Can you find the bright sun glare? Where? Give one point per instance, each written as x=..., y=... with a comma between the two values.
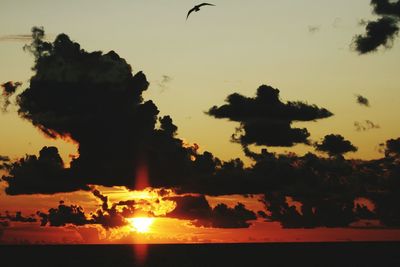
x=141, y=224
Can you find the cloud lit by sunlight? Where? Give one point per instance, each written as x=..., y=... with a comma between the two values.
x=148, y=201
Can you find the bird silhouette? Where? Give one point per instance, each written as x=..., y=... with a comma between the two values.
x=197, y=8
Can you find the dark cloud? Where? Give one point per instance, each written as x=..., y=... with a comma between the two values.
x=386, y=7
x=365, y=126
x=167, y=126
x=303, y=191
x=382, y=31
x=44, y=174
x=257, y=156
x=75, y=215
x=103, y=198
x=17, y=217
x=379, y=33
x=4, y=158
x=386, y=186
x=9, y=89
x=322, y=192
x=311, y=194
x=392, y=148
x=299, y=192
x=94, y=100
x=237, y=217
x=190, y=208
x=266, y=120
x=314, y=212
x=109, y=219
x=326, y=191
x=4, y=162
x=197, y=209
x=64, y=215
x=335, y=145
x=363, y=101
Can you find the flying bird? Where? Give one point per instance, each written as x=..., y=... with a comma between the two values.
x=197, y=8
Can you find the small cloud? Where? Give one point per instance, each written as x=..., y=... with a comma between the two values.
x=9, y=89
x=363, y=101
x=314, y=29
x=166, y=79
x=17, y=217
x=335, y=145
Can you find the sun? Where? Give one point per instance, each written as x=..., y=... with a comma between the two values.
x=141, y=224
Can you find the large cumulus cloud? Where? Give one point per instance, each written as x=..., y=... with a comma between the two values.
x=93, y=99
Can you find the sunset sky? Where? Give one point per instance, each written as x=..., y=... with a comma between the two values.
x=304, y=48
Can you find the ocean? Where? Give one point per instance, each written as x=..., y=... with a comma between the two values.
x=175, y=255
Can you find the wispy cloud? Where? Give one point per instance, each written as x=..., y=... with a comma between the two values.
x=16, y=37
x=365, y=126
x=165, y=80
x=314, y=29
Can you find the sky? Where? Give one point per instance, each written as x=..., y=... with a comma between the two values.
x=304, y=48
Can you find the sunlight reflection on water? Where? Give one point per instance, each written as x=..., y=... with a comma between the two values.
x=140, y=252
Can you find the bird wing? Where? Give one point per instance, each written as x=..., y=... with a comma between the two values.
x=205, y=4
x=190, y=11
